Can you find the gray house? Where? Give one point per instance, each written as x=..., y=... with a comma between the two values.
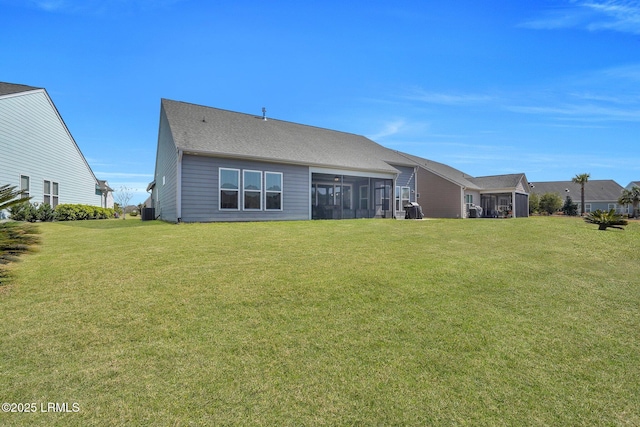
x=218, y=165
x=445, y=192
x=598, y=194
x=39, y=154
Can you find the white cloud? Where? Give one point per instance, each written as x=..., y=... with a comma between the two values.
x=614, y=15
x=389, y=129
x=447, y=98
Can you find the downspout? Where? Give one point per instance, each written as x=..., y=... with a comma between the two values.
x=179, y=187
x=463, y=205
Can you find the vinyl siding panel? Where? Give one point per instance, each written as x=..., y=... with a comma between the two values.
x=200, y=193
x=439, y=197
x=166, y=163
x=35, y=142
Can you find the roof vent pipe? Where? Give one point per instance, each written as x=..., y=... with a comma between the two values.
x=264, y=114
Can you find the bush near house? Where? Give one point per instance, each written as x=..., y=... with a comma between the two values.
x=68, y=212
x=32, y=212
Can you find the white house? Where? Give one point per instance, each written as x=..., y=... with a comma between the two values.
x=38, y=153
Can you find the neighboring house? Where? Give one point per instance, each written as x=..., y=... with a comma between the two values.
x=598, y=194
x=218, y=165
x=445, y=192
x=107, y=194
x=38, y=153
x=632, y=184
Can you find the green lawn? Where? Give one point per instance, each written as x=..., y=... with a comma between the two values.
x=361, y=322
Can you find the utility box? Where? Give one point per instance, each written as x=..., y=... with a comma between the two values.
x=148, y=214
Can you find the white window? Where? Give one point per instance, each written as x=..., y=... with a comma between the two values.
x=405, y=196
x=55, y=194
x=252, y=190
x=273, y=191
x=24, y=185
x=587, y=207
x=50, y=193
x=47, y=192
x=229, y=186
x=398, y=206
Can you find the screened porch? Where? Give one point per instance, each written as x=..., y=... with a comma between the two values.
x=345, y=196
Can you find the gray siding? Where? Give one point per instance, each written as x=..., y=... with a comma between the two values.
x=164, y=193
x=200, y=193
x=439, y=197
x=35, y=142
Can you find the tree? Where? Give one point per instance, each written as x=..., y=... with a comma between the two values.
x=9, y=196
x=550, y=203
x=606, y=219
x=581, y=179
x=534, y=203
x=123, y=196
x=569, y=208
x=631, y=197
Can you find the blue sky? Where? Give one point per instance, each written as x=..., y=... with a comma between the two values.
x=548, y=88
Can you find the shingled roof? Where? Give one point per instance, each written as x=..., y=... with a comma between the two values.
x=451, y=174
x=11, y=88
x=213, y=131
x=498, y=181
x=594, y=190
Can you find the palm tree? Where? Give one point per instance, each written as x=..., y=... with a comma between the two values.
x=9, y=196
x=631, y=197
x=581, y=179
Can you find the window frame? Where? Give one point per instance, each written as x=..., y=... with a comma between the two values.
x=267, y=191
x=221, y=189
x=46, y=193
x=27, y=193
x=245, y=191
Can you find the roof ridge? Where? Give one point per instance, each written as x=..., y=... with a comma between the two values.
x=271, y=119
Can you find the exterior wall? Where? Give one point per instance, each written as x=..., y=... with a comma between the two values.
x=35, y=142
x=439, y=198
x=200, y=192
x=164, y=192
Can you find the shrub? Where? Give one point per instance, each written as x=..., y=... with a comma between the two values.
x=550, y=203
x=570, y=208
x=68, y=212
x=45, y=212
x=23, y=212
x=15, y=239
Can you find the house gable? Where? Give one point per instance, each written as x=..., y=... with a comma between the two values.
x=37, y=145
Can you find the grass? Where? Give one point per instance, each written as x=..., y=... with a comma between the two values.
x=362, y=322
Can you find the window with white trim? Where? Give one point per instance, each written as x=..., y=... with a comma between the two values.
x=24, y=185
x=55, y=188
x=229, y=185
x=273, y=191
x=405, y=196
x=252, y=190
x=46, y=191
